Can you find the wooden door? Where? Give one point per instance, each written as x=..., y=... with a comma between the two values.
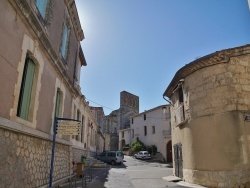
x=169, y=152
x=178, y=160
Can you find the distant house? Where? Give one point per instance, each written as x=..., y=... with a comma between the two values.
x=120, y=119
x=153, y=127
x=99, y=115
x=210, y=119
x=124, y=138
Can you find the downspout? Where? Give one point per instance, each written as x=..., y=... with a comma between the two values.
x=168, y=101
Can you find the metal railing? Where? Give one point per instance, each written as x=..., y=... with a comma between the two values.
x=72, y=181
x=87, y=176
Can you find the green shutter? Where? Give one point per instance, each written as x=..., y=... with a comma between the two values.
x=26, y=89
x=64, y=41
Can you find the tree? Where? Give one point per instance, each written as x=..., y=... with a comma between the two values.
x=137, y=146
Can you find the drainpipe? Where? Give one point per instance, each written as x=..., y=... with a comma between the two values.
x=168, y=101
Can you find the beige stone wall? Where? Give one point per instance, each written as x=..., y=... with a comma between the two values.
x=27, y=161
x=219, y=88
x=107, y=142
x=216, y=138
x=223, y=179
x=77, y=154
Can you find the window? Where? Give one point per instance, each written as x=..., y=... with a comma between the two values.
x=78, y=72
x=111, y=154
x=78, y=118
x=65, y=41
x=132, y=120
x=23, y=108
x=132, y=133
x=153, y=129
x=83, y=128
x=180, y=91
x=145, y=130
x=41, y=6
x=144, y=117
x=122, y=134
x=74, y=115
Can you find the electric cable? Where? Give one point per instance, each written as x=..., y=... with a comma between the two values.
x=116, y=109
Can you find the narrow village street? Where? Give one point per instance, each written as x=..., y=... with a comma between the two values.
x=134, y=173
x=94, y=92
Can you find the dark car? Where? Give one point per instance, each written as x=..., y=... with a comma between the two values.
x=112, y=157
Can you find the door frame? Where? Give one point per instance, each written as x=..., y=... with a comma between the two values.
x=178, y=160
x=169, y=152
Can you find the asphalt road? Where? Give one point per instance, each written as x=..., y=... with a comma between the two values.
x=134, y=173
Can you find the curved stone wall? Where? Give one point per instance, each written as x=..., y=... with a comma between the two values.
x=215, y=138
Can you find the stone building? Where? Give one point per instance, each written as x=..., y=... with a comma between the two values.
x=210, y=107
x=125, y=136
x=120, y=119
x=99, y=115
x=40, y=62
x=129, y=106
x=152, y=127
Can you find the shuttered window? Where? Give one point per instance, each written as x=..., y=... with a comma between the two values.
x=78, y=118
x=26, y=89
x=145, y=130
x=41, y=6
x=64, y=41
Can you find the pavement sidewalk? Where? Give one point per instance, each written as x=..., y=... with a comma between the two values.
x=179, y=181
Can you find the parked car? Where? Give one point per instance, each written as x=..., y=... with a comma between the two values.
x=142, y=155
x=112, y=157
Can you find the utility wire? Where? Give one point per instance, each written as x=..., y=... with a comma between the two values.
x=116, y=109
x=100, y=104
x=8, y=61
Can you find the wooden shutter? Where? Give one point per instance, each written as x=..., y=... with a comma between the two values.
x=26, y=89
x=64, y=41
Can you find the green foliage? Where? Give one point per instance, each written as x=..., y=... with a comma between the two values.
x=138, y=146
x=152, y=149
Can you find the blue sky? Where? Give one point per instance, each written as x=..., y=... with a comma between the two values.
x=139, y=45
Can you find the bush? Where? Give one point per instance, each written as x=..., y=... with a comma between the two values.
x=152, y=149
x=138, y=146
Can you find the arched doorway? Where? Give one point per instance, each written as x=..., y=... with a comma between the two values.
x=169, y=152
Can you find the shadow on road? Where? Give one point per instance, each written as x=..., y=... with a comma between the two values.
x=118, y=166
